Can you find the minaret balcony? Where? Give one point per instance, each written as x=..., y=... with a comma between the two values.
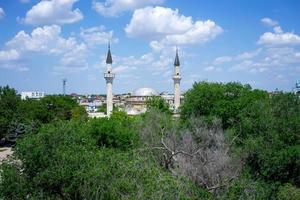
x=176, y=77
x=109, y=75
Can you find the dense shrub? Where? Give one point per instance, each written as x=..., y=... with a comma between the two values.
x=116, y=132
x=220, y=100
x=159, y=104
x=62, y=161
x=288, y=192
x=270, y=132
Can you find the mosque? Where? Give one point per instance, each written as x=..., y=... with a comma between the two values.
x=136, y=102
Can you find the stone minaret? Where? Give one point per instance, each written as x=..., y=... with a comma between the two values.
x=109, y=77
x=176, y=78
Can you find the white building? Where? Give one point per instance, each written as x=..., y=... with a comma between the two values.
x=136, y=103
x=32, y=95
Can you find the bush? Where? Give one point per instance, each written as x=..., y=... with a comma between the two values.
x=220, y=100
x=62, y=161
x=115, y=132
x=159, y=104
x=288, y=192
x=269, y=131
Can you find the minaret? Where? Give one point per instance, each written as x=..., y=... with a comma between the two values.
x=176, y=78
x=109, y=77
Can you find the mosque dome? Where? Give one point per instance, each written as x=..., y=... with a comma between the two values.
x=145, y=92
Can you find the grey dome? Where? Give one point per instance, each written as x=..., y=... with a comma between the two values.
x=145, y=92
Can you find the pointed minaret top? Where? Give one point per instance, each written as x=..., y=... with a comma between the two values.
x=108, y=58
x=176, y=62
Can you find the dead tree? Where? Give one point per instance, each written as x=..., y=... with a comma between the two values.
x=199, y=152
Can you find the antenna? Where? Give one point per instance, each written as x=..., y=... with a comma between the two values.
x=64, y=86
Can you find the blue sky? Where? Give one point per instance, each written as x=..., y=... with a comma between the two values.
x=41, y=42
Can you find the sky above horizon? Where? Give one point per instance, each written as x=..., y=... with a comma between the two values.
x=41, y=42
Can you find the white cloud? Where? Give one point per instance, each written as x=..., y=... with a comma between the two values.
x=53, y=12
x=45, y=39
x=73, y=61
x=213, y=68
x=269, y=22
x=165, y=26
x=250, y=66
x=248, y=55
x=222, y=60
x=279, y=38
x=2, y=13
x=97, y=36
x=121, y=69
x=116, y=7
x=10, y=59
x=9, y=55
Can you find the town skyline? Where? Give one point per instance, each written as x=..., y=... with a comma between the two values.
x=42, y=42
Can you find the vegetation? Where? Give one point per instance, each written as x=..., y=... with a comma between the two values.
x=17, y=116
x=159, y=104
x=232, y=142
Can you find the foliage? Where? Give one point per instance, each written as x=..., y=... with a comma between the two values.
x=13, y=184
x=288, y=192
x=116, y=131
x=247, y=188
x=58, y=107
x=79, y=113
x=159, y=104
x=218, y=99
x=199, y=153
x=270, y=132
x=63, y=162
x=9, y=101
x=16, y=113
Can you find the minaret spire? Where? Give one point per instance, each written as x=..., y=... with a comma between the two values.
x=176, y=78
x=109, y=77
x=109, y=58
x=176, y=62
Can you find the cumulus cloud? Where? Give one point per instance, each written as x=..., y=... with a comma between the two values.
x=165, y=26
x=10, y=59
x=74, y=60
x=53, y=12
x=48, y=40
x=248, y=55
x=116, y=7
x=279, y=37
x=269, y=22
x=9, y=55
x=97, y=36
x=2, y=13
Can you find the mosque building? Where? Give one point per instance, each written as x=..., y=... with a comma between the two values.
x=135, y=103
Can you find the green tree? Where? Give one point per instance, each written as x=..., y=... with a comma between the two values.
x=117, y=131
x=158, y=103
x=269, y=131
x=58, y=107
x=79, y=113
x=62, y=161
x=218, y=99
x=9, y=101
x=288, y=192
